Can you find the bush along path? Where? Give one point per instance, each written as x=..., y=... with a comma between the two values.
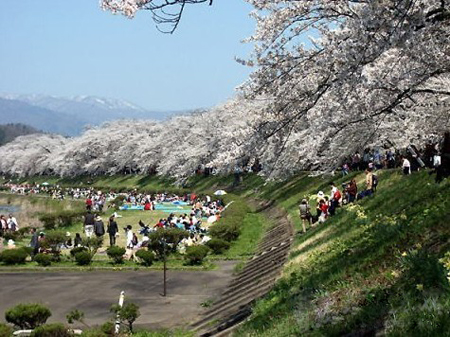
x=254, y=280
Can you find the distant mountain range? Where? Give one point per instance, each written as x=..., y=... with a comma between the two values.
x=69, y=116
x=10, y=131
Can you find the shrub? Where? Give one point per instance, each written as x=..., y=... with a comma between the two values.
x=146, y=257
x=96, y=332
x=52, y=330
x=225, y=231
x=92, y=244
x=11, y=236
x=67, y=218
x=76, y=250
x=14, y=256
x=128, y=313
x=108, y=328
x=28, y=316
x=116, y=254
x=59, y=219
x=218, y=246
x=5, y=331
x=196, y=254
x=23, y=230
x=171, y=236
x=43, y=260
x=83, y=258
x=28, y=250
x=118, y=201
x=53, y=240
x=48, y=220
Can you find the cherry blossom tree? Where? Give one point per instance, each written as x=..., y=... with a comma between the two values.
x=339, y=72
x=330, y=77
x=166, y=13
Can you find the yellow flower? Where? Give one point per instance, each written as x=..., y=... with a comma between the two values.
x=419, y=287
x=404, y=254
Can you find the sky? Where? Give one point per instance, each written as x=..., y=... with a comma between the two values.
x=72, y=47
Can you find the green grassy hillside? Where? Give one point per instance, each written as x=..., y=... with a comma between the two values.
x=376, y=267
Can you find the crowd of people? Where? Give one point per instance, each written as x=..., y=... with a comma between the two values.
x=203, y=212
x=376, y=159
x=327, y=204
x=372, y=160
x=197, y=214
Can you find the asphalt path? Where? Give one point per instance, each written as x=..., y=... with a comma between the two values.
x=93, y=292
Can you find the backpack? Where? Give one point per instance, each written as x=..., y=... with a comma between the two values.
x=134, y=240
x=337, y=195
x=374, y=180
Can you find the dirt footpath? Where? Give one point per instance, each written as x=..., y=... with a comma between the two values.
x=95, y=292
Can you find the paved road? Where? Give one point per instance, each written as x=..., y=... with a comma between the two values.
x=95, y=292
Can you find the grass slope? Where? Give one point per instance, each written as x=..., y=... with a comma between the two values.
x=376, y=267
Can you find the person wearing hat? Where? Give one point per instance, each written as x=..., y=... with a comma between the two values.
x=305, y=213
x=99, y=227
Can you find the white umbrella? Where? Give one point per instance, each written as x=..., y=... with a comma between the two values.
x=220, y=192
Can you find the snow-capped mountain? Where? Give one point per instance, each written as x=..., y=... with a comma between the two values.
x=80, y=110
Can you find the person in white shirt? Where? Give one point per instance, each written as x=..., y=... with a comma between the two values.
x=12, y=223
x=406, y=165
x=129, y=237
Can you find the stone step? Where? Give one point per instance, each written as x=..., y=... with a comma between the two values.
x=267, y=267
x=230, y=308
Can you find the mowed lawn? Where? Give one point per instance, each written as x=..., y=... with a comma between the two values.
x=128, y=217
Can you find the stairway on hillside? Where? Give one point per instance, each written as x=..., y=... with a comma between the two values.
x=254, y=281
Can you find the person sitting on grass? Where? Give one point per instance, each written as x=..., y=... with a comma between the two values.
x=77, y=241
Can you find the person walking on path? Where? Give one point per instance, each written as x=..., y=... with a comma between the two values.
x=89, y=220
x=305, y=213
x=34, y=242
x=99, y=227
x=112, y=230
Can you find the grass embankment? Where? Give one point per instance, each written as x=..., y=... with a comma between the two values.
x=252, y=225
x=376, y=267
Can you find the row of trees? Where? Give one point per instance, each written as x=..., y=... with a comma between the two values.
x=371, y=71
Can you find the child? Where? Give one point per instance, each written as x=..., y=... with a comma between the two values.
x=323, y=204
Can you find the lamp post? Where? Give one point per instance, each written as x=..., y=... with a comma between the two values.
x=121, y=298
x=165, y=268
